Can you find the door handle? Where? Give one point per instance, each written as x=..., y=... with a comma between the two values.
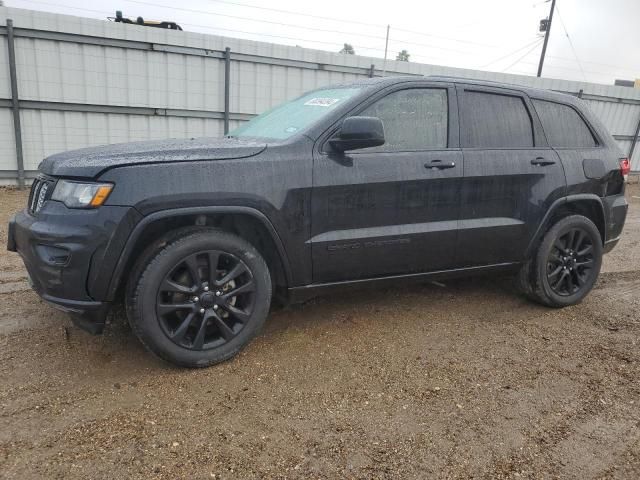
x=542, y=162
x=439, y=164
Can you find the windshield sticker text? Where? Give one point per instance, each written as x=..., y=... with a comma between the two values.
x=322, y=102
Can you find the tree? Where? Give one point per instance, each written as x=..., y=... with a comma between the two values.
x=403, y=56
x=348, y=49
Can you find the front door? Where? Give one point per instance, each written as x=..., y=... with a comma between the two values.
x=391, y=209
x=511, y=176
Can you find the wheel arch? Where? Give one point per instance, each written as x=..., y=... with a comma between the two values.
x=587, y=205
x=246, y=222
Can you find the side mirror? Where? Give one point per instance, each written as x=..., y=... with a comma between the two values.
x=358, y=132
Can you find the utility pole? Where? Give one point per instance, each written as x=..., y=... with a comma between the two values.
x=546, y=36
x=386, y=47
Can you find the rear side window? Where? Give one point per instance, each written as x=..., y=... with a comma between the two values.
x=413, y=119
x=563, y=126
x=495, y=121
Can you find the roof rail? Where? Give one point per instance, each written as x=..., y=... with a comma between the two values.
x=452, y=77
x=519, y=86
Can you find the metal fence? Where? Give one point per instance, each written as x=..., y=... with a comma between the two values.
x=69, y=82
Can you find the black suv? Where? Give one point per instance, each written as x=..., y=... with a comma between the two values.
x=380, y=180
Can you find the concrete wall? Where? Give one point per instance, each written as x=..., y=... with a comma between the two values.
x=84, y=82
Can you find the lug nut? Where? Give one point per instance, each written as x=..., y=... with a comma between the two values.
x=202, y=310
x=215, y=307
x=206, y=289
x=195, y=299
x=218, y=293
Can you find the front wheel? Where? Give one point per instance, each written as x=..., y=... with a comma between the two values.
x=566, y=264
x=200, y=299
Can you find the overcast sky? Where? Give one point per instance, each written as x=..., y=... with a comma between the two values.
x=592, y=40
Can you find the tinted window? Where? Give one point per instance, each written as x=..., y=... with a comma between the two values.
x=495, y=121
x=414, y=119
x=563, y=126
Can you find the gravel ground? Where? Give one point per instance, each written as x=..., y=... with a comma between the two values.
x=456, y=381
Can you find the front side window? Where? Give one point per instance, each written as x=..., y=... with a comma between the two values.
x=413, y=119
x=563, y=126
x=495, y=121
x=296, y=115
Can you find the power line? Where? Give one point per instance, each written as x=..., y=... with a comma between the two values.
x=333, y=19
x=362, y=47
x=190, y=10
x=297, y=39
x=523, y=56
x=429, y=45
x=378, y=37
x=237, y=17
x=571, y=44
x=350, y=22
x=208, y=27
x=562, y=67
x=468, y=42
x=593, y=63
x=342, y=32
x=518, y=50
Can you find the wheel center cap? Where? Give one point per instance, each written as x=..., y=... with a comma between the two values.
x=207, y=300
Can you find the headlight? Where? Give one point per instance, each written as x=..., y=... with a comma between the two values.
x=81, y=195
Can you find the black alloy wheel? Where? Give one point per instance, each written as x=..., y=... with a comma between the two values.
x=206, y=300
x=570, y=264
x=198, y=295
x=565, y=265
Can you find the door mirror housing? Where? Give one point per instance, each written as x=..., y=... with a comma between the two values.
x=358, y=132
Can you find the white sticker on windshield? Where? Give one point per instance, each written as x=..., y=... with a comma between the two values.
x=322, y=102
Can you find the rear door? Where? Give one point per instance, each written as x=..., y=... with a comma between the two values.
x=511, y=175
x=590, y=157
x=391, y=209
x=578, y=147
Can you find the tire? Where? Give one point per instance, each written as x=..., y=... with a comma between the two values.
x=566, y=264
x=200, y=298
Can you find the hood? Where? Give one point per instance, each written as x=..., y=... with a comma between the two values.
x=89, y=162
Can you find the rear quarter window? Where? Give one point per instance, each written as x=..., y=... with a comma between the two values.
x=495, y=121
x=563, y=126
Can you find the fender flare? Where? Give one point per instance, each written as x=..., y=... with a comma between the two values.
x=557, y=204
x=177, y=212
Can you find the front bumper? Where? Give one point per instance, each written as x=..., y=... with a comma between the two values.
x=58, y=246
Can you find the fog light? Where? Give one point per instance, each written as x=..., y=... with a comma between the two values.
x=57, y=256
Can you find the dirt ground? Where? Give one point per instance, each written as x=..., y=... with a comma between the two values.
x=466, y=380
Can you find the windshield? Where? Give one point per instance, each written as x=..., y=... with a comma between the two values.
x=291, y=117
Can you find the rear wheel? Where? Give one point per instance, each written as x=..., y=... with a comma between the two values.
x=566, y=264
x=199, y=299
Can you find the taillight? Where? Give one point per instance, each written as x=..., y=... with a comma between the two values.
x=625, y=166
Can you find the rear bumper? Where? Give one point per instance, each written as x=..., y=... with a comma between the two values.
x=615, y=208
x=57, y=247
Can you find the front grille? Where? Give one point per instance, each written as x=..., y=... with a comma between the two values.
x=41, y=191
